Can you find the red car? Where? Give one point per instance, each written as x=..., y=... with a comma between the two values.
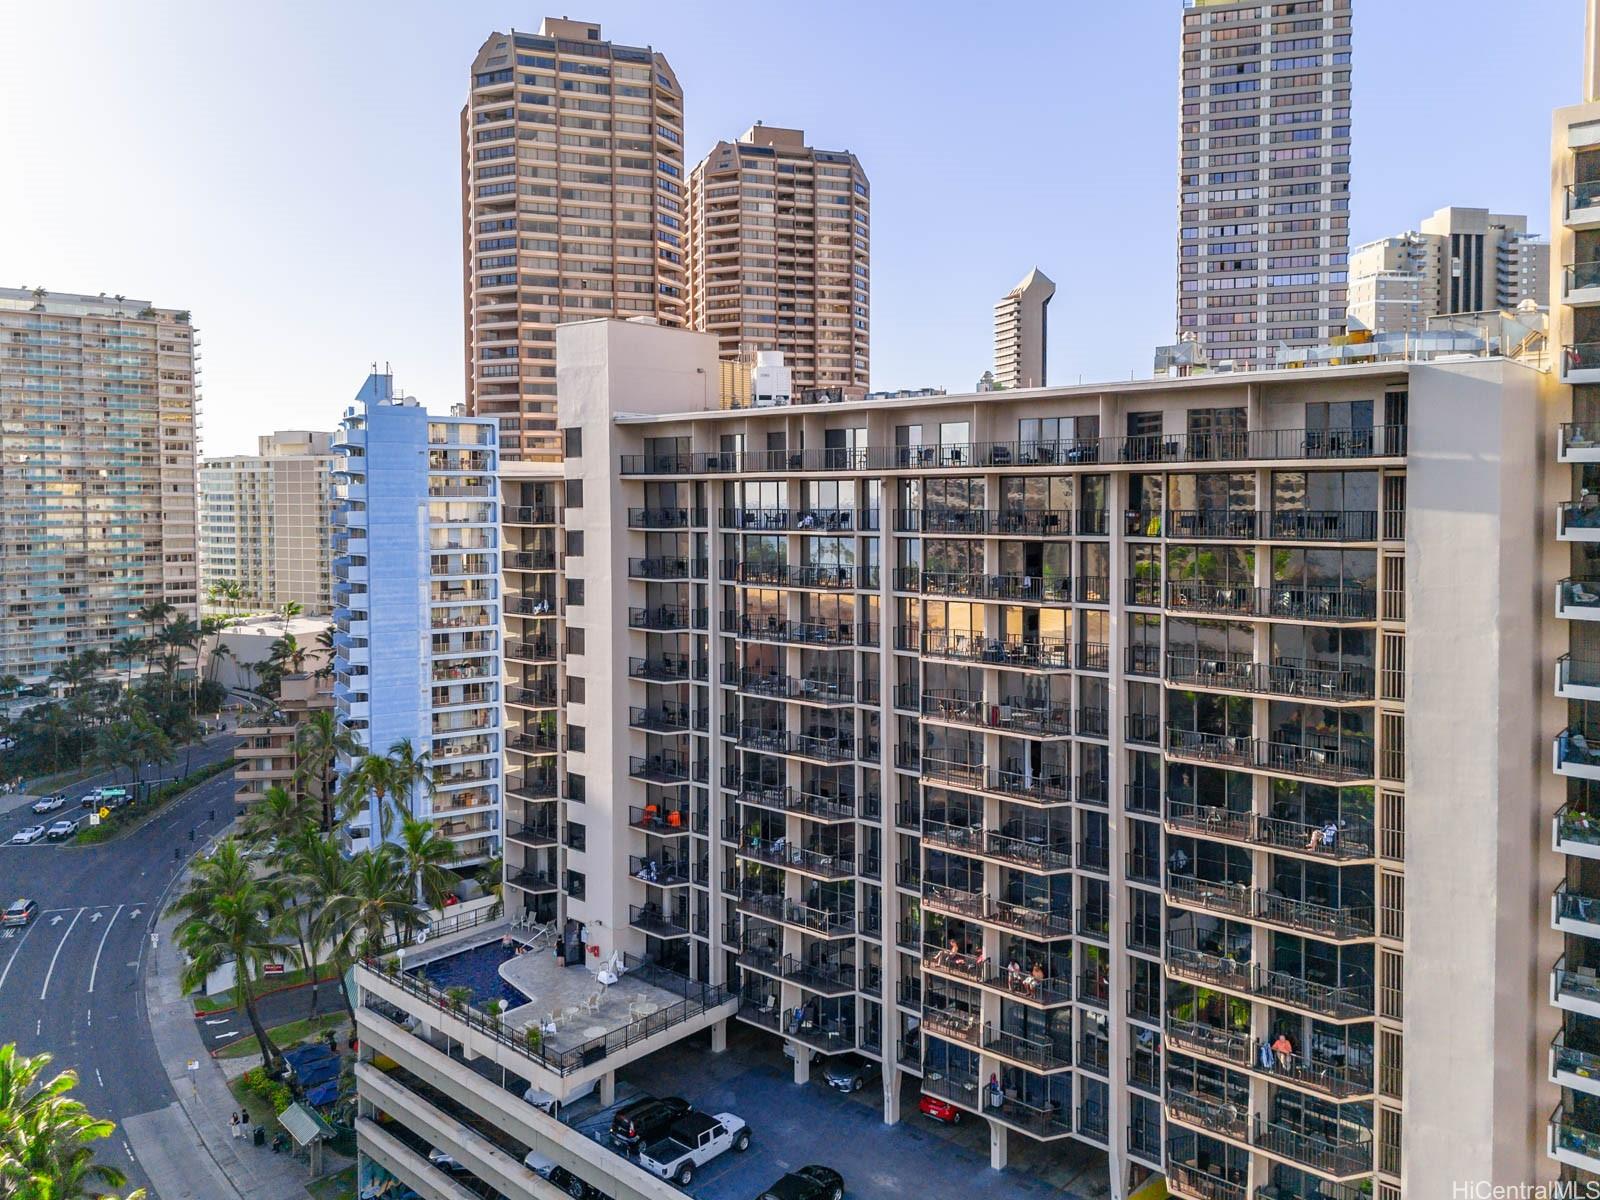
x=939, y=1110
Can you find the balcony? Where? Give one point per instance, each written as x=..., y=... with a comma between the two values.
x=1020, y=589
x=651, y=919
x=1341, y=841
x=668, y=668
x=666, y=518
x=1574, y=1139
x=952, y=1024
x=804, y=633
x=1583, y=206
x=818, y=806
x=825, y=688
x=1279, y=987
x=536, y=836
x=825, y=748
x=1578, y=599
x=1577, y=678
x=1575, y=831
x=1296, y=678
x=666, y=618
x=1026, y=523
x=1037, y=852
x=669, y=719
x=1189, y=1182
x=1319, y=604
x=1580, y=284
x=663, y=769
x=812, y=577
x=779, y=853
x=1049, y=787
x=1015, y=653
x=799, y=520
x=1341, y=1160
x=1208, y=1116
x=666, y=569
x=533, y=881
x=540, y=650
x=1572, y=911
x=967, y=709
x=537, y=786
x=1574, y=757
x=820, y=921
x=1329, y=762
x=1035, y=918
x=1277, y=525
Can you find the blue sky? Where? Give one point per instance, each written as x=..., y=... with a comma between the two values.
x=289, y=171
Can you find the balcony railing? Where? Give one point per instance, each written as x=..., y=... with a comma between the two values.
x=666, y=568
x=666, y=518
x=1280, y=600
x=801, y=575
x=665, y=618
x=1331, y=760
x=965, y=708
x=806, y=633
x=1051, y=522
x=1047, y=787
x=818, y=688
x=1293, y=525
x=1243, y=446
x=1336, y=840
x=1039, y=1053
x=1046, y=654
x=668, y=668
x=1038, y=851
x=1340, y=1159
x=800, y=520
x=1027, y=589
x=1215, y=1117
x=1281, y=677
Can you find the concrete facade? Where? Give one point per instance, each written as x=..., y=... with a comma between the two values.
x=780, y=255
x=97, y=473
x=264, y=521
x=417, y=653
x=1263, y=176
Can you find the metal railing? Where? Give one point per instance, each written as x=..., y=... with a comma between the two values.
x=1279, y=600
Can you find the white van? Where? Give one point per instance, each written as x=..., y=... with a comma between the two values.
x=546, y=1102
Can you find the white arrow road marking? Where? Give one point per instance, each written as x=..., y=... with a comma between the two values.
x=221, y=1021
x=94, y=917
x=51, y=970
x=56, y=920
x=14, y=954
x=95, y=970
x=134, y=915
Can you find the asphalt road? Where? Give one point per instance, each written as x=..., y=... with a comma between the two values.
x=70, y=982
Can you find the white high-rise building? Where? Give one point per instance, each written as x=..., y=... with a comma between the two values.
x=1021, y=328
x=1263, y=176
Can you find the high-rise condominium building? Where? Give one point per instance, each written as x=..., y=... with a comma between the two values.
x=97, y=473
x=1263, y=176
x=573, y=206
x=780, y=250
x=1021, y=328
x=416, y=597
x=1567, y=1105
x=1461, y=260
x=1066, y=741
x=264, y=521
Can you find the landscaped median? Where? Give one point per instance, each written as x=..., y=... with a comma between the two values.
x=132, y=814
x=204, y=1006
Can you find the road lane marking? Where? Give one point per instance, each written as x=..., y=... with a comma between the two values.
x=14, y=954
x=51, y=970
x=97, y=1078
x=95, y=970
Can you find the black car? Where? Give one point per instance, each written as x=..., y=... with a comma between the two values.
x=562, y=1178
x=646, y=1119
x=808, y=1183
x=849, y=1072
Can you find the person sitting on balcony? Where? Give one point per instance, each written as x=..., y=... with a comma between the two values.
x=1283, y=1050
x=1330, y=834
x=674, y=819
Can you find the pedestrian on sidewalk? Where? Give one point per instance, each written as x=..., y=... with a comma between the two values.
x=233, y=1127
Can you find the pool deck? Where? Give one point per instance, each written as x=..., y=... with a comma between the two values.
x=553, y=990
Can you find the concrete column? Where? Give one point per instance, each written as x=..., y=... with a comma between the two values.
x=608, y=1089
x=802, y=1062
x=719, y=1037
x=997, y=1145
x=891, y=1096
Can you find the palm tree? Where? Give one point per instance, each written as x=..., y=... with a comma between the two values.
x=325, y=644
x=129, y=650
x=375, y=911
x=10, y=685
x=492, y=876
x=212, y=628
x=315, y=866
x=46, y=1136
x=228, y=915
x=279, y=817
x=154, y=614
x=183, y=634
x=290, y=610
x=319, y=743
x=288, y=653
x=372, y=775
x=412, y=770
x=130, y=743
x=428, y=855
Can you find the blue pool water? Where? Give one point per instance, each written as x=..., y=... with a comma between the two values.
x=478, y=969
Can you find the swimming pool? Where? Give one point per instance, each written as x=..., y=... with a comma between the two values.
x=477, y=969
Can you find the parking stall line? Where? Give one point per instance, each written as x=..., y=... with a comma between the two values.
x=51, y=970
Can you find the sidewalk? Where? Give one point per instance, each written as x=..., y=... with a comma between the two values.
x=226, y=1168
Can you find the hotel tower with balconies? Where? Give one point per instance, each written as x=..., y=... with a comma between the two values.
x=1055, y=752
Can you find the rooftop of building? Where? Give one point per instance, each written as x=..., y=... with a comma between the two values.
x=82, y=304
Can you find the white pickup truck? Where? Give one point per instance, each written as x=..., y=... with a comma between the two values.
x=695, y=1140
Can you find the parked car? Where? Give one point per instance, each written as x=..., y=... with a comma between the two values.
x=646, y=1119
x=62, y=829
x=546, y=1102
x=20, y=912
x=26, y=837
x=849, y=1072
x=939, y=1110
x=445, y=1162
x=694, y=1141
x=49, y=803
x=808, y=1183
x=562, y=1178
